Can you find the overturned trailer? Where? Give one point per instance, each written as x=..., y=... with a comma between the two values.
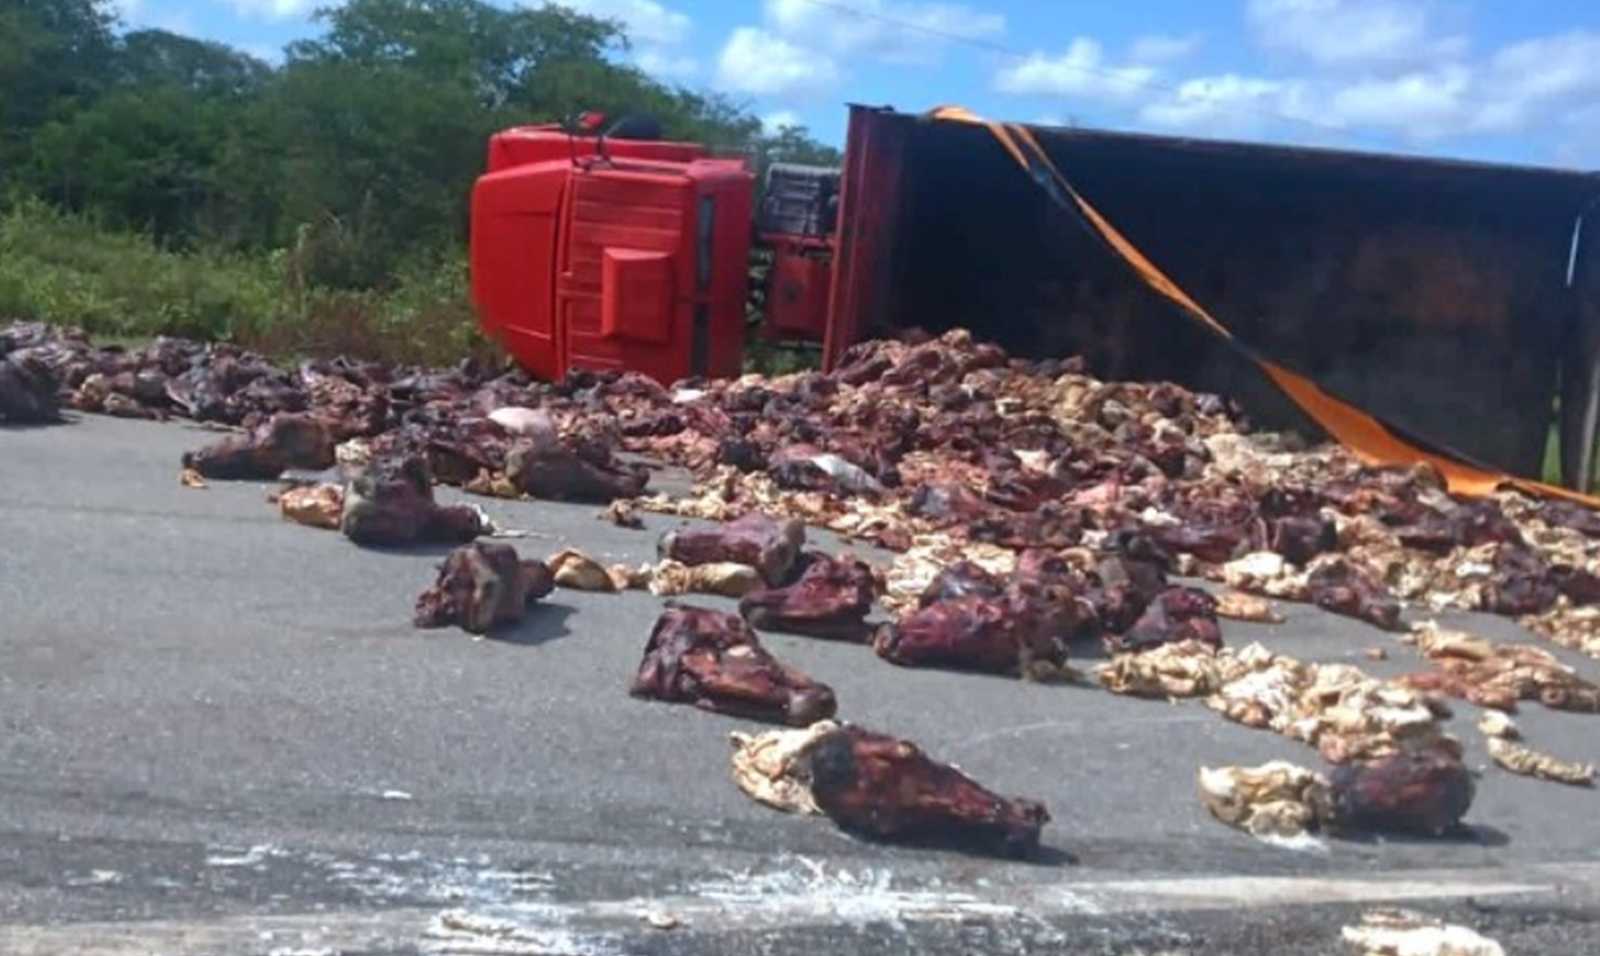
x=1415, y=305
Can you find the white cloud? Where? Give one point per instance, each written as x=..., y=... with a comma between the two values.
x=805, y=46
x=657, y=33
x=1160, y=48
x=1360, y=34
x=665, y=65
x=647, y=22
x=1225, y=104
x=888, y=30
x=757, y=62
x=1428, y=104
x=1082, y=71
x=1535, y=77
x=1343, y=72
x=276, y=10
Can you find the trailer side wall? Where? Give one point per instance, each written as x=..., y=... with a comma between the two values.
x=1431, y=294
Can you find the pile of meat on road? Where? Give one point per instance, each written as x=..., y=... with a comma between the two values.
x=1044, y=525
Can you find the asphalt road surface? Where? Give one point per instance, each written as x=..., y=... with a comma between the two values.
x=220, y=734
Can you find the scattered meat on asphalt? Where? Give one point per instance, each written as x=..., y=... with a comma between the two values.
x=1031, y=509
x=482, y=587
x=880, y=787
x=714, y=660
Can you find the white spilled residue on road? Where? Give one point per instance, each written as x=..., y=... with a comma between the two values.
x=463, y=933
x=470, y=907
x=254, y=858
x=807, y=889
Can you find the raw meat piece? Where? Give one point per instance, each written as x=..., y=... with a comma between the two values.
x=770, y=545
x=573, y=569
x=546, y=466
x=1239, y=606
x=1274, y=799
x=1343, y=588
x=553, y=473
x=482, y=587
x=1520, y=584
x=1002, y=635
x=28, y=389
x=1300, y=539
x=959, y=580
x=1504, y=740
x=1390, y=932
x=879, y=787
x=715, y=661
x=286, y=441
x=1177, y=615
x=1211, y=543
x=1424, y=792
x=671, y=578
x=831, y=600
x=766, y=766
x=391, y=504
x=315, y=506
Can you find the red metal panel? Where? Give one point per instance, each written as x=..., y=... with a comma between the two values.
x=636, y=295
x=868, y=191
x=611, y=209
x=522, y=145
x=722, y=291
x=515, y=232
x=656, y=268
x=797, y=294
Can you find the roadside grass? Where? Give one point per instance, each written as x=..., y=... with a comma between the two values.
x=121, y=287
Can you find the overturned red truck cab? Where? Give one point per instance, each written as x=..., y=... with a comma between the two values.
x=1456, y=301
x=612, y=253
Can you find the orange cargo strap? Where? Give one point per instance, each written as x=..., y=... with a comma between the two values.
x=1367, y=437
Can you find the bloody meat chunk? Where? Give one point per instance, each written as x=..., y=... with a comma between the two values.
x=715, y=661
x=1299, y=539
x=770, y=545
x=1062, y=593
x=391, y=505
x=1521, y=584
x=1177, y=614
x=1565, y=514
x=880, y=787
x=1124, y=586
x=544, y=467
x=1343, y=588
x=287, y=440
x=961, y=579
x=1421, y=792
x=1214, y=543
x=1003, y=635
x=831, y=599
x=483, y=586
x=28, y=390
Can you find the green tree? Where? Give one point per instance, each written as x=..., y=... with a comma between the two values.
x=160, y=58
x=359, y=152
x=55, y=57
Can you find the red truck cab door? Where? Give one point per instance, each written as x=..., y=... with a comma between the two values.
x=655, y=269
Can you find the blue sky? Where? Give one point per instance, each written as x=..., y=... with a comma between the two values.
x=1502, y=80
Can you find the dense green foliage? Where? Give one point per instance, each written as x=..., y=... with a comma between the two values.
x=157, y=183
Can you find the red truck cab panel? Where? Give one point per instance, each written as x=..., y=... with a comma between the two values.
x=514, y=238
x=636, y=260
x=656, y=269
